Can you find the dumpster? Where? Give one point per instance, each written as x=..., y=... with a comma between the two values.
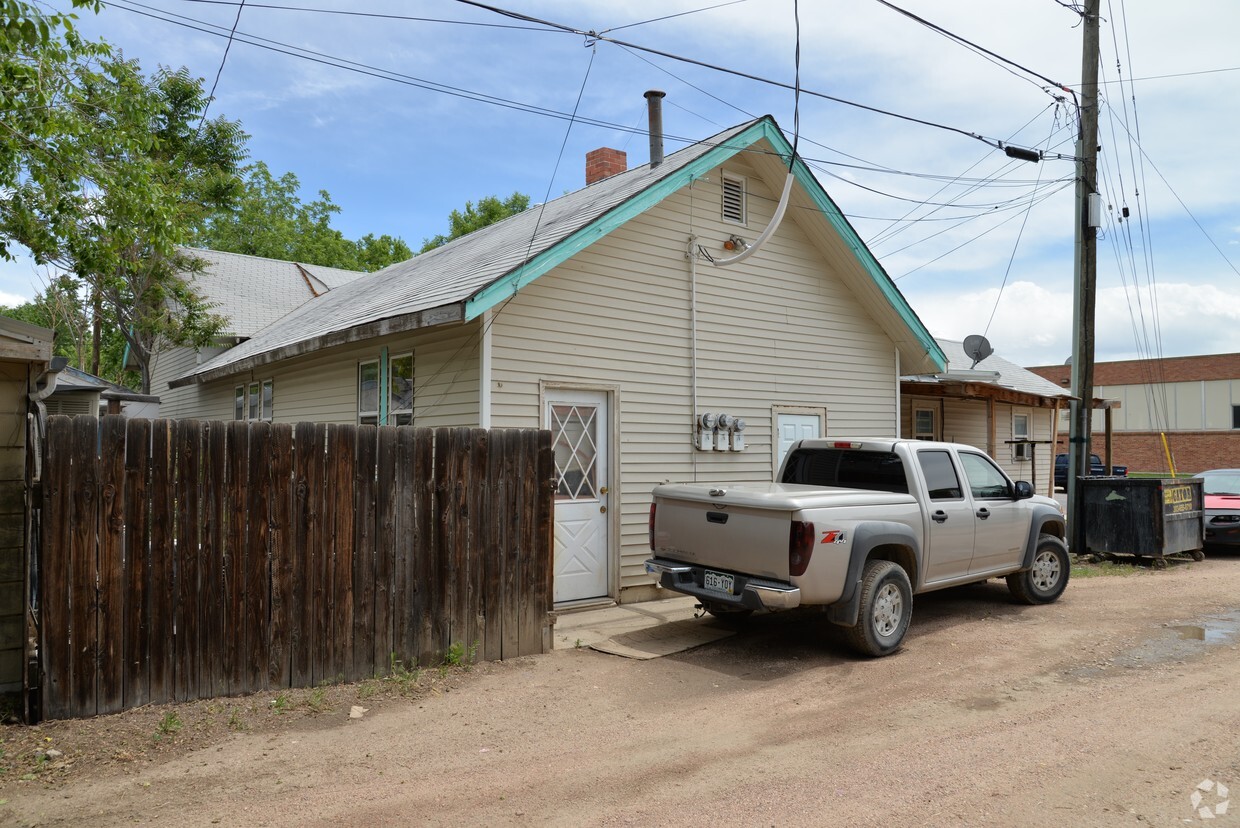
x=1151, y=517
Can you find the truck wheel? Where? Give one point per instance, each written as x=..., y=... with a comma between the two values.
x=886, y=608
x=1045, y=581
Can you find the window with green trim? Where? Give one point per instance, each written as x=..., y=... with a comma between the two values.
x=385, y=390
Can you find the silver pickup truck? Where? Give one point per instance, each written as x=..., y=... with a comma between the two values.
x=857, y=527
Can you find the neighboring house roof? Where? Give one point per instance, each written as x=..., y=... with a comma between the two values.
x=252, y=292
x=75, y=381
x=22, y=341
x=993, y=377
x=470, y=275
x=1205, y=368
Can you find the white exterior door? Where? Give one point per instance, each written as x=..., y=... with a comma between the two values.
x=791, y=428
x=579, y=426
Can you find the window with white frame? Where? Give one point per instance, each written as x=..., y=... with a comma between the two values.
x=1020, y=431
x=924, y=427
x=734, y=207
x=385, y=390
x=368, y=392
x=254, y=401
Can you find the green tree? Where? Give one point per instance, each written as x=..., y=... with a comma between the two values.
x=270, y=220
x=63, y=307
x=488, y=211
x=128, y=168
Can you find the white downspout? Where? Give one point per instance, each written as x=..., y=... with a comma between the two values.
x=484, y=374
x=899, y=413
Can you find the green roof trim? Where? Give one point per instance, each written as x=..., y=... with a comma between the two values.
x=512, y=282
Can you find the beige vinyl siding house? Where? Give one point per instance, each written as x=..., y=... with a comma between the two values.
x=616, y=333
x=988, y=406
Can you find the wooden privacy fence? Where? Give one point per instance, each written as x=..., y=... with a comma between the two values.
x=183, y=559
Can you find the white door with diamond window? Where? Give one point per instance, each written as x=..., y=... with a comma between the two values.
x=579, y=427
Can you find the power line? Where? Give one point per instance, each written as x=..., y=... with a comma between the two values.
x=592, y=35
x=957, y=38
x=379, y=73
x=227, y=46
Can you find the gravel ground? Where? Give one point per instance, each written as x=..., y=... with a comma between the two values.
x=1111, y=707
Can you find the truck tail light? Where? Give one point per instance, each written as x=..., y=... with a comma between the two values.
x=651, y=527
x=800, y=546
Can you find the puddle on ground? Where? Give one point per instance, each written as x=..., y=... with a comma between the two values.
x=1173, y=643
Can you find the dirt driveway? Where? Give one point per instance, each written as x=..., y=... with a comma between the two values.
x=1108, y=708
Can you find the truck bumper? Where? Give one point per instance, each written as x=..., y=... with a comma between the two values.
x=747, y=593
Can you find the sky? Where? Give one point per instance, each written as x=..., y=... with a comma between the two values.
x=378, y=103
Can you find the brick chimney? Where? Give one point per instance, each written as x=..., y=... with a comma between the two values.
x=604, y=163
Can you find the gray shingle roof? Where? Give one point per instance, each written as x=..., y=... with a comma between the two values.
x=1009, y=374
x=448, y=275
x=252, y=292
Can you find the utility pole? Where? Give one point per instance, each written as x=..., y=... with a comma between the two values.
x=1086, y=282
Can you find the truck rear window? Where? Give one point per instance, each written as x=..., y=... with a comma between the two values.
x=881, y=471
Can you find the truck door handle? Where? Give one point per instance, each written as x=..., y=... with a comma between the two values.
x=939, y=516
x=983, y=513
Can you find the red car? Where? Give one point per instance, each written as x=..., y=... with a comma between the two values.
x=1221, y=488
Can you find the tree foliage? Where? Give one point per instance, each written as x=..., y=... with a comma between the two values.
x=104, y=171
x=488, y=211
x=270, y=220
x=63, y=307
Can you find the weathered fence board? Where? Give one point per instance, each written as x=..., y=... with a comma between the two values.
x=186, y=559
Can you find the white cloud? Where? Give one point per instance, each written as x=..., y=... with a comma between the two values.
x=1033, y=324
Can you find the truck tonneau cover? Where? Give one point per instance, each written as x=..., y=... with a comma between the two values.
x=783, y=496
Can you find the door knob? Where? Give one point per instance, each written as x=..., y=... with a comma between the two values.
x=602, y=490
x=602, y=508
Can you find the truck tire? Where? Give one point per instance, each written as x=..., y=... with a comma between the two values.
x=1046, y=580
x=886, y=604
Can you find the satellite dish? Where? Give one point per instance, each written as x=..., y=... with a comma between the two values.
x=977, y=347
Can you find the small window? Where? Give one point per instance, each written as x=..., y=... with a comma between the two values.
x=267, y=400
x=923, y=424
x=1235, y=416
x=254, y=401
x=1020, y=431
x=400, y=390
x=734, y=199
x=368, y=392
x=941, y=480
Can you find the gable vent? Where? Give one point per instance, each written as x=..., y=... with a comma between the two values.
x=734, y=199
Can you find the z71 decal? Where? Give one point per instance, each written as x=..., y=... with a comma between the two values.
x=833, y=536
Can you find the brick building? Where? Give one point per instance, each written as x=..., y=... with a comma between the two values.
x=1194, y=400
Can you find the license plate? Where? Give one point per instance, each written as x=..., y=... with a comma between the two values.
x=719, y=582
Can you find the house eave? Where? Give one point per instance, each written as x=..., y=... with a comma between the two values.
x=431, y=317
x=980, y=391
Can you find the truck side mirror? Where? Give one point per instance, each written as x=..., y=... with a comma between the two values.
x=1023, y=490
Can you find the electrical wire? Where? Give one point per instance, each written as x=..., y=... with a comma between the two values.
x=976, y=48
x=1015, y=246
x=725, y=70
x=227, y=46
x=279, y=47
x=520, y=269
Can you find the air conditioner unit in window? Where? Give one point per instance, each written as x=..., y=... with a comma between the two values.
x=1022, y=451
